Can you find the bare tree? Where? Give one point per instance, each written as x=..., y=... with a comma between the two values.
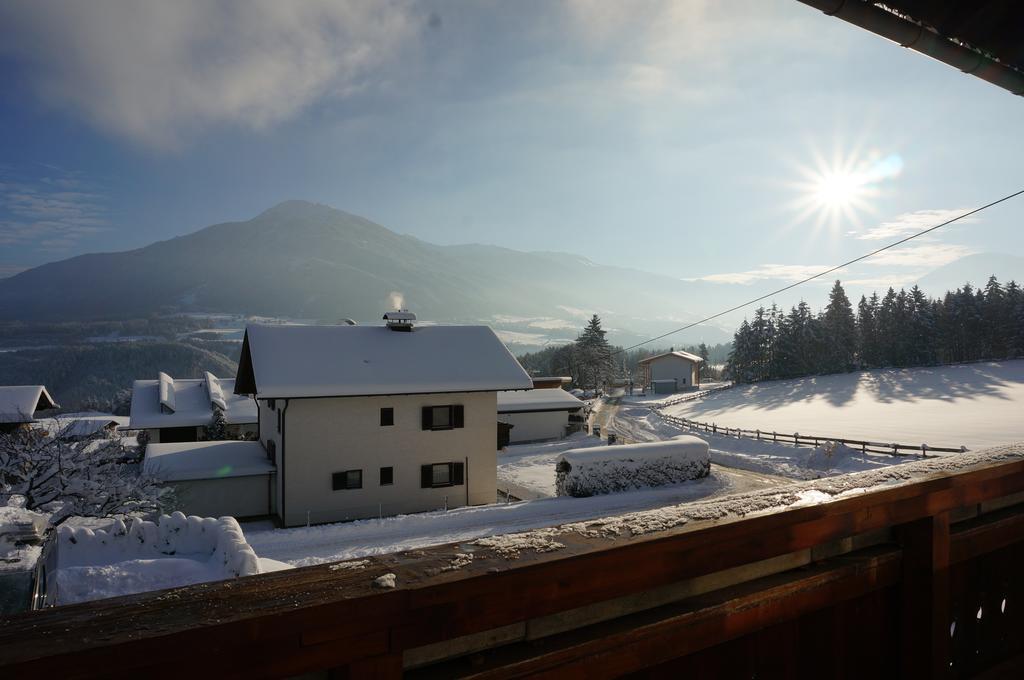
x=92, y=477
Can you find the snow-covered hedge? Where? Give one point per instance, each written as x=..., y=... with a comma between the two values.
x=220, y=541
x=609, y=469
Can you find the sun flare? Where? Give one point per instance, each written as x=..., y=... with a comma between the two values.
x=836, y=193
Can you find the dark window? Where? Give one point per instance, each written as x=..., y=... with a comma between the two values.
x=272, y=450
x=387, y=476
x=170, y=435
x=270, y=404
x=387, y=416
x=443, y=417
x=349, y=479
x=442, y=474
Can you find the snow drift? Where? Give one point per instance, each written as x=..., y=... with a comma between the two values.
x=174, y=551
x=610, y=469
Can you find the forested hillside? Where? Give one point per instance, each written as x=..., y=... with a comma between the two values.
x=898, y=329
x=91, y=376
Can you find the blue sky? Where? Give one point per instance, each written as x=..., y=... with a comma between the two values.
x=685, y=138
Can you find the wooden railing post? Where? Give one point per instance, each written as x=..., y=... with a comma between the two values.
x=924, y=600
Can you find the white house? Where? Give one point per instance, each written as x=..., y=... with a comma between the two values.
x=671, y=372
x=19, y=403
x=368, y=420
x=176, y=410
x=537, y=414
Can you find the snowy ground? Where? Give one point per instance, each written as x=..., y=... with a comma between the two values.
x=332, y=542
x=528, y=470
x=974, y=405
x=637, y=422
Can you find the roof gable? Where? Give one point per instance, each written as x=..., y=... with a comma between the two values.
x=18, y=403
x=285, y=361
x=677, y=353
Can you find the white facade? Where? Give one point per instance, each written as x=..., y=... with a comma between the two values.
x=538, y=414
x=315, y=439
x=362, y=421
x=680, y=367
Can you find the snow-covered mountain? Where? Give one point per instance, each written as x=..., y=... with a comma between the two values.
x=305, y=260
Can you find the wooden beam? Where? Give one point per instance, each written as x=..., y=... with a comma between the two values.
x=925, y=607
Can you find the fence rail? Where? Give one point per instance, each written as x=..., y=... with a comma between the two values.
x=891, y=448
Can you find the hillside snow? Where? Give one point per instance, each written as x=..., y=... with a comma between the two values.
x=974, y=405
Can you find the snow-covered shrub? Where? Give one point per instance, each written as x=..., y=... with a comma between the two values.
x=610, y=469
x=220, y=540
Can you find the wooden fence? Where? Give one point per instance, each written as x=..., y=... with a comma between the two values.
x=921, y=579
x=798, y=439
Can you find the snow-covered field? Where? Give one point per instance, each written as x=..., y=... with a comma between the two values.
x=974, y=405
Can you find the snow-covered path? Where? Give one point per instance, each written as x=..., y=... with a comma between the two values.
x=334, y=542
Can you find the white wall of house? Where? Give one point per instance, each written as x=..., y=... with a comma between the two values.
x=675, y=367
x=536, y=426
x=250, y=496
x=328, y=435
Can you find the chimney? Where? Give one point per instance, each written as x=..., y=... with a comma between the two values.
x=400, y=320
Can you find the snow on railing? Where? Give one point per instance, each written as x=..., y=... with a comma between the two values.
x=798, y=439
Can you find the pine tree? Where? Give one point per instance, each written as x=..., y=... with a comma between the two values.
x=840, y=332
x=593, y=355
x=217, y=430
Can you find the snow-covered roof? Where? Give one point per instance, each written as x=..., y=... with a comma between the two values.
x=341, y=361
x=18, y=403
x=81, y=424
x=170, y=402
x=206, y=460
x=548, y=399
x=677, y=353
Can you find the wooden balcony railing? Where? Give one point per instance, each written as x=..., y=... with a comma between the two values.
x=919, y=577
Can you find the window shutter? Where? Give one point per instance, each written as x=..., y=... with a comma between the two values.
x=458, y=416
x=426, y=476
x=428, y=418
x=458, y=472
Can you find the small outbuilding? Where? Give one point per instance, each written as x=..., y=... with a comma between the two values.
x=215, y=478
x=538, y=415
x=19, y=403
x=673, y=371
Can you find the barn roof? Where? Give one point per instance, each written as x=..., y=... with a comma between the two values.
x=340, y=361
x=676, y=353
x=19, y=403
x=545, y=399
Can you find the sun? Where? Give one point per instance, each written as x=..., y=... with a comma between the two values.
x=835, y=194
x=839, y=189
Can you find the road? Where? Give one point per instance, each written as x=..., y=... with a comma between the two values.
x=605, y=416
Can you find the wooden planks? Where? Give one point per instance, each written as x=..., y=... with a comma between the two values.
x=320, y=617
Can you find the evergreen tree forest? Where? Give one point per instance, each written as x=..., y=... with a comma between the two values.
x=898, y=329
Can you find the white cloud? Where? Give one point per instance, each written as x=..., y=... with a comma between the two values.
x=928, y=255
x=911, y=223
x=779, y=272
x=156, y=72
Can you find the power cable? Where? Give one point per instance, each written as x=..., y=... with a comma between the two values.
x=822, y=273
